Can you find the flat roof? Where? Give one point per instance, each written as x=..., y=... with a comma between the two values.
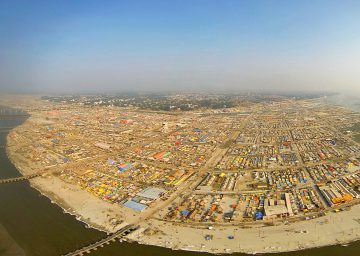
x=275, y=210
x=151, y=192
x=134, y=205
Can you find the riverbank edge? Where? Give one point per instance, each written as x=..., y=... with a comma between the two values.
x=54, y=199
x=61, y=202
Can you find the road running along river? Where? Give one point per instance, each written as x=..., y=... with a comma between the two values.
x=41, y=228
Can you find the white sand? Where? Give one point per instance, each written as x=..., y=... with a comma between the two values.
x=92, y=210
x=334, y=228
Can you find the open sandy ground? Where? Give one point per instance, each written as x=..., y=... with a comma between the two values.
x=334, y=228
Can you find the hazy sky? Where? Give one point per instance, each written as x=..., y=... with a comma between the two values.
x=86, y=46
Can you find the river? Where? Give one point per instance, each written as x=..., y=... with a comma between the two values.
x=41, y=228
x=350, y=101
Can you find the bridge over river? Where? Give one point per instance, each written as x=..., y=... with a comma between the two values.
x=12, y=113
x=5, y=129
x=107, y=240
x=21, y=178
x=9, y=117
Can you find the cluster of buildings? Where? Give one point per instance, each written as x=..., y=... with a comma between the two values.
x=282, y=164
x=244, y=207
x=266, y=161
x=120, y=180
x=258, y=156
x=323, y=173
x=281, y=180
x=342, y=190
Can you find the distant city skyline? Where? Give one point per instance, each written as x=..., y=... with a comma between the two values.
x=113, y=46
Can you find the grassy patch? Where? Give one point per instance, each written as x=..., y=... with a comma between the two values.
x=226, y=144
x=356, y=137
x=355, y=128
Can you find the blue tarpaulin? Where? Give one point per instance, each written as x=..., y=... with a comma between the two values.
x=258, y=215
x=134, y=205
x=110, y=161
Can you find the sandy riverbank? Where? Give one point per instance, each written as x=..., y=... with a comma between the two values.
x=334, y=228
x=89, y=209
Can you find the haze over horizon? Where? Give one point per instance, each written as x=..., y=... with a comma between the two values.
x=94, y=46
